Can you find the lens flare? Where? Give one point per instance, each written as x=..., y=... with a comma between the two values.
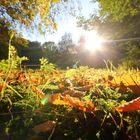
x=93, y=41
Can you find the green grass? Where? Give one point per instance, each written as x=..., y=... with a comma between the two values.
x=21, y=109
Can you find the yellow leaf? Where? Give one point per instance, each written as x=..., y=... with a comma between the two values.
x=56, y=1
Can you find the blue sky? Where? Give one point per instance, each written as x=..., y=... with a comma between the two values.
x=64, y=25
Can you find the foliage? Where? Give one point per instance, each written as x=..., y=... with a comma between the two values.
x=117, y=21
x=66, y=42
x=81, y=103
x=51, y=51
x=119, y=10
x=5, y=34
x=125, y=55
x=13, y=61
x=38, y=14
x=25, y=12
x=4, y=65
x=94, y=99
x=45, y=65
x=67, y=51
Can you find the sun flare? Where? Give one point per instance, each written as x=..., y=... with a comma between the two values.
x=93, y=41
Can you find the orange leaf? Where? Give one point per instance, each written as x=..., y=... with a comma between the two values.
x=61, y=86
x=131, y=106
x=39, y=92
x=2, y=86
x=58, y=99
x=22, y=78
x=89, y=106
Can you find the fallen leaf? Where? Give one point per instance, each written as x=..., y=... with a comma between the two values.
x=84, y=88
x=38, y=92
x=2, y=86
x=74, y=93
x=61, y=86
x=131, y=106
x=44, y=127
x=58, y=99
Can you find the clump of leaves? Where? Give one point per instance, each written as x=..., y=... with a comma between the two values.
x=45, y=65
x=14, y=61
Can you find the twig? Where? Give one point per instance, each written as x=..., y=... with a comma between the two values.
x=49, y=138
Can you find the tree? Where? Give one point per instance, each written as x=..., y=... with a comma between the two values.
x=66, y=42
x=24, y=11
x=118, y=10
x=51, y=51
x=33, y=52
x=4, y=39
x=117, y=20
x=67, y=51
x=31, y=13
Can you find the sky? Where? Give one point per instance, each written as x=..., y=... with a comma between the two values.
x=64, y=25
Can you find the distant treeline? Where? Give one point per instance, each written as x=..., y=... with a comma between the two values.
x=66, y=54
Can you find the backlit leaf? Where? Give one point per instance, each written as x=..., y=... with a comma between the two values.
x=131, y=106
x=59, y=99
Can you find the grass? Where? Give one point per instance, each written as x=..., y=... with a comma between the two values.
x=21, y=111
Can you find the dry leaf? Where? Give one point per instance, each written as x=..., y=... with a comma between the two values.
x=61, y=86
x=38, y=92
x=1, y=74
x=74, y=93
x=131, y=106
x=22, y=78
x=58, y=99
x=2, y=86
x=84, y=88
x=125, y=82
x=44, y=127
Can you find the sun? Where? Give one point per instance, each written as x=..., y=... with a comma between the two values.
x=92, y=41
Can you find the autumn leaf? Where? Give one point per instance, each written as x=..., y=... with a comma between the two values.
x=74, y=93
x=84, y=88
x=125, y=82
x=1, y=74
x=131, y=106
x=59, y=99
x=61, y=86
x=2, y=86
x=38, y=92
x=55, y=1
x=44, y=127
x=89, y=106
x=22, y=78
